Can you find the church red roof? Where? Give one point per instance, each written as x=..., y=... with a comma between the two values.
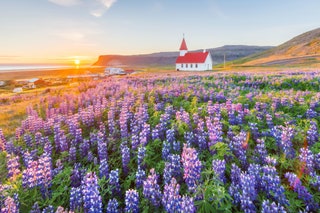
x=193, y=57
x=183, y=45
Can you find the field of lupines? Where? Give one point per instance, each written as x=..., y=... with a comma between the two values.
x=205, y=143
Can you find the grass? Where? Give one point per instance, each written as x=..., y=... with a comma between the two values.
x=11, y=117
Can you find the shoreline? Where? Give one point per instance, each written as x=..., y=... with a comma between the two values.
x=47, y=73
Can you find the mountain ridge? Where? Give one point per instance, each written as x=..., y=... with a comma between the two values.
x=168, y=58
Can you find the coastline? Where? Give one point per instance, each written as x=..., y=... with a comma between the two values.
x=6, y=75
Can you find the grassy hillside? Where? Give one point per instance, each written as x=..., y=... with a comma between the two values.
x=300, y=51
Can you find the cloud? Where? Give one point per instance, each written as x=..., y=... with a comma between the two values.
x=107, y=3
x=99, y=7
x=97, y=13
x=103, y=6
x=65, y=2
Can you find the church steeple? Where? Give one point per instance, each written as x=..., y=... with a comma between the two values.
x=183, y=47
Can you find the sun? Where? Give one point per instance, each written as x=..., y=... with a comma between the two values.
x=77, y=61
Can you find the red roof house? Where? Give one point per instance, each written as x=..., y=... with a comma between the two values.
x=193, y=61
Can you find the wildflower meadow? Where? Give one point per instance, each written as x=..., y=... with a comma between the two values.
x=211, y=142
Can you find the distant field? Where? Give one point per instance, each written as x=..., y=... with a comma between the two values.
x=47, y=73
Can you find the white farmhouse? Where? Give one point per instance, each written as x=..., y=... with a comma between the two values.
x=113, y=71
x=17, y=90
x=193, y=61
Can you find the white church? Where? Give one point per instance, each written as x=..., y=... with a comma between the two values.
x=193, y=61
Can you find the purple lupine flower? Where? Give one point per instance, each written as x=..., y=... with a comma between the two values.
x=58, y=169
x=141, y=155
x=192, y=167
x=91, y=196
x=240, y=117
x=144, y=134
x=156, y=132
x=76, y=176
x=93, y=138
x=37, y=138
x=90, y=157
x=72, y=154
x=60, y=209
x=166, y=149
x=254, y=130
x=28, y=140
x=27, y=158
x=13, y=167
x=104, y=169
x=167, y=172
x=10, y=206
x=317, y=161
x=219, y=167
x=176, y=146
x=239, y=147
x=125, y=153
x=306, y=157
x=170, y=136
x=132, y=201
x=84, y=148
x=114, y=181
x=173, y=168
x=255, y=170
x=29, y=177
x=268, y=207
x=48, y=209
x=200, y=135
x=269, y=121
x=249, y=193
x=113, y=206
x=315, y=181
x=151, y=188
x=123, y=120
x=183, y=116
x=189, y=138
x=3, y=141
x=260, y=152
x=78, y=135
x=302, y=191
x=102, y=147
x=171, y=200
x=47, y=146
x=214, y=131
x=35, y=208
x=231, y=117
x=134, y=141
x=284, y=136
x=45, y=174
x=312, y=133
x=75, y=199
x=140, y=177
x=111, y=117
x=187, y=204
x=235, y=186
x=270, y=182
x=310, y=113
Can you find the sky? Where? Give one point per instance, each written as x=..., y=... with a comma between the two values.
x=60, y=31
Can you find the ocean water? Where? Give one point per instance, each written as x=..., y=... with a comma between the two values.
x=30, y=67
